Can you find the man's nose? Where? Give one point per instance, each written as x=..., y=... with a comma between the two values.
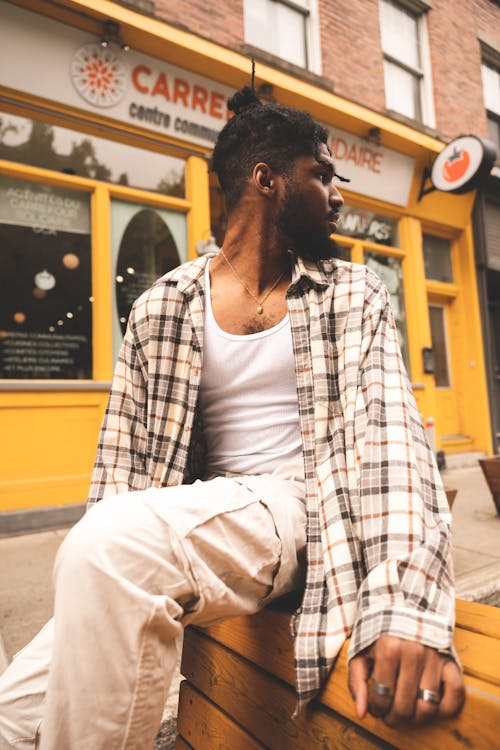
x=336, y=199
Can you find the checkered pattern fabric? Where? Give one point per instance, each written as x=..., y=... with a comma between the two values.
x=378, y=550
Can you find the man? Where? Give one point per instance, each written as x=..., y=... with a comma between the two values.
x=260, y=429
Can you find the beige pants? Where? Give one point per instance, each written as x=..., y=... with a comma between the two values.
x=128, y=577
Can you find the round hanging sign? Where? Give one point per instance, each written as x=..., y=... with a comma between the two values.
x=462, y=163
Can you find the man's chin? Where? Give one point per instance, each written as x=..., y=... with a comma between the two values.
x=315, y=248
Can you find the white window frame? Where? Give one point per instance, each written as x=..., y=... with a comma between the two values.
x=418, y=8
x=308, y=9
x=490, y=58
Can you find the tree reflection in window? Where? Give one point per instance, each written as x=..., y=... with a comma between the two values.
x=147, y=251
x=389, y=270
x=40, y=144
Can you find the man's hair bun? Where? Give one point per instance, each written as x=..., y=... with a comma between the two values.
x=243, y=99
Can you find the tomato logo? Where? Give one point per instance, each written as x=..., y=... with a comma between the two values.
x=456, y=165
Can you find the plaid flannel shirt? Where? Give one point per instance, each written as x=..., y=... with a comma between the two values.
x=378, y=541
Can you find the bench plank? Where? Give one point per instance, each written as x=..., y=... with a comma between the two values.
x=264, y=705
x=264, y=640
x=479, y=618
x=181, y=744
x=206, y=726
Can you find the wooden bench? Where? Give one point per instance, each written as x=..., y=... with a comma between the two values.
x=238, y=692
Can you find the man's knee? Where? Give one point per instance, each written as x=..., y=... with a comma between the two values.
x=95, y=541
x=119, y=537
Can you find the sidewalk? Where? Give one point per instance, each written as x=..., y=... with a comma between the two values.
x=26, y=562
x=476, y=537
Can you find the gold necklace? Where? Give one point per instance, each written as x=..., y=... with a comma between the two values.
x=260, y=303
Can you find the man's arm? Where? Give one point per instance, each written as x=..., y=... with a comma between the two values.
x=120, y=464
x=403, y=633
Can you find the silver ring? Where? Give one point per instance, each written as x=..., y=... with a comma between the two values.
x=431, y=696
x=383, y=690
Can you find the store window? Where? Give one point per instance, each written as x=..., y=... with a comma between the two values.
x=389, y=270
x=146, y=242
x=40, y=144
x=286, y=29
x=491, y=92
x=437, y=258
x=406, y=61
x=45, y=281
x=439, y=346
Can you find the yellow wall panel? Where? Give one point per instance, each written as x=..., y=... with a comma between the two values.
x=48, y=447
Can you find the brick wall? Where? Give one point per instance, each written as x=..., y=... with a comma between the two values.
x=456, y=63
x=220, y=21
x=351, y=50
x=352, y=54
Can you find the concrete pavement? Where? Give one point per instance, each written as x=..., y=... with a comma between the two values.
x=476, y=537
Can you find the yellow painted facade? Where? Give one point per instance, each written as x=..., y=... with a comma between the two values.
x=49, y=430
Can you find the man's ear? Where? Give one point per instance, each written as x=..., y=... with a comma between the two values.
x=263, y=177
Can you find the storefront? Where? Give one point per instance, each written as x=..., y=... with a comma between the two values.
x=104, y=186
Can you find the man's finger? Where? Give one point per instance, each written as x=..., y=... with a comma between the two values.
x=453, y=690
x=427, y=706
x=412, y=660
x=386, y=656
x=359, y=669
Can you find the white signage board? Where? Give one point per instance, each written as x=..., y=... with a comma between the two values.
x=63, y=64
x=374, y=171
x=69, y=66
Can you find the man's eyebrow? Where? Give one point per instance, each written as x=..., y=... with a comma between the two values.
x=328, y=165
x=330, y=168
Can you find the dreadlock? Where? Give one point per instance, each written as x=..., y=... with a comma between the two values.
x=258, y=132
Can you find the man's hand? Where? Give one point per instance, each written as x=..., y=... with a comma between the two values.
x=393, y=678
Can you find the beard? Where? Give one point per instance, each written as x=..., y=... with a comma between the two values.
x=308, y=242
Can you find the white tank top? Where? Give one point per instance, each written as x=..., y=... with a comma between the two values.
x=249, y=398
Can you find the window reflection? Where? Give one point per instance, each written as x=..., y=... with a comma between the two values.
x=40, y=144
x=437, y=258
x=439, y=346
x=389, y=270
x=147, y=251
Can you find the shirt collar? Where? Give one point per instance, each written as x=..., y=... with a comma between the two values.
x=318, y=273
x=189, y=274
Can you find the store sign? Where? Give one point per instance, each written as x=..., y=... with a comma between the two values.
x=43, y=208
x=462, y=164
x=366, y=225
x=374, y=171
x=69, y=66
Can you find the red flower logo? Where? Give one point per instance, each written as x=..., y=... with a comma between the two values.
x=98, y=75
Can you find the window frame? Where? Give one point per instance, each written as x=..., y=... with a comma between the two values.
x=423, y=72
x=491, y=59
x=312, y=39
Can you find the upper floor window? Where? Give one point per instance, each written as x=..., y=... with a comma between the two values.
x=406, y=61
x=286, y=28
x=491, y=90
